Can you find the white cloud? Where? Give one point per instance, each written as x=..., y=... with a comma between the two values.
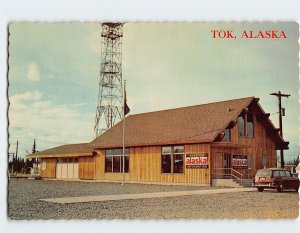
x=80, y=105
x=33, y=73
x=19, y=101
x=31, y=116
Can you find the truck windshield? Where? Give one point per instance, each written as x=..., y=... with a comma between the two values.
x=263, y=173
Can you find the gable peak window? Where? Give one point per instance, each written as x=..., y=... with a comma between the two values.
x=227, y=135
x=245, y=124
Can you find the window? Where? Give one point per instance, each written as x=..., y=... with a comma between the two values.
x=249, y=126
x=116, y=163
x=263, y=173
x=166, y=160
x=241, y=124
x=166, y=164
x=114, y=160
x=172, y=159
x=276, y=174
x=288, y=174
x=227, y=136
x=108, y=163
x=178, y=159
x=282, y=173
x=246, y=127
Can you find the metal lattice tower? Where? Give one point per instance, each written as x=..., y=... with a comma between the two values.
x=110, y=98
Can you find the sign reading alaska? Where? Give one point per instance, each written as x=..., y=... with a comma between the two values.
x=196, y=161
x=269, y=34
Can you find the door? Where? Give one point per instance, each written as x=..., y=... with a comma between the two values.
x=218, y=162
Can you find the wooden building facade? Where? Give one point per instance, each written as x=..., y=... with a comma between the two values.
x=190, y=145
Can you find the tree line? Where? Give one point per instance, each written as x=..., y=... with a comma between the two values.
x=20, y=165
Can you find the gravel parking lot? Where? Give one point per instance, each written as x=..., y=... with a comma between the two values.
x=24, y=195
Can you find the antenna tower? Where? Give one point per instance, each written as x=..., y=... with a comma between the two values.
x=110, y=98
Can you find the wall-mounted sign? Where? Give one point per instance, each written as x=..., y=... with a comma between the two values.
x=196, y=161
x=239, y=161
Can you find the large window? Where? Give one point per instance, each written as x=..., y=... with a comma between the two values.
x=172, y=159
x=114, y=160
x=245, y=125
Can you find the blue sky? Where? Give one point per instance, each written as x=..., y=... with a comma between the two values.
x=54, y=74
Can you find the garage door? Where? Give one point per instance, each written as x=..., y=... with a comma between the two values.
x=64, y=169
x=58, y=168
x=76, y=168
x=67, y=168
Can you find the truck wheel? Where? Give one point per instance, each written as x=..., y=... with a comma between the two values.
x=280, y=188
x=260, y=189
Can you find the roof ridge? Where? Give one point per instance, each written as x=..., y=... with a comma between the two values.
x=197, y=105
x=71, y=144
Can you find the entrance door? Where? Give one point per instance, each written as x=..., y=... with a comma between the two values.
x=218, y=162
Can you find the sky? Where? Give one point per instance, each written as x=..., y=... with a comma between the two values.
x=54, y=74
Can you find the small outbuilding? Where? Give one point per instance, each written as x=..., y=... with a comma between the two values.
x=188, y=145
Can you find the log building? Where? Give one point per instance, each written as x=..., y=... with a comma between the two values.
x=188, y=145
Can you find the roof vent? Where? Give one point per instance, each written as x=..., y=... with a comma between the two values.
x=230, y=109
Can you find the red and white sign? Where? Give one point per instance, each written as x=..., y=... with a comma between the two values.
x=196, y=161
x=239, y=161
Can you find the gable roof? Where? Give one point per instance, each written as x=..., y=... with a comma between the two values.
x=193, y=124
x=82, y=149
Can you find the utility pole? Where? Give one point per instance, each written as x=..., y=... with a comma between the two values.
x=281, y=110
x=17, y=148
x=16, y=159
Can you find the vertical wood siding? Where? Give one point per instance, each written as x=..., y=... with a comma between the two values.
x=87, y=168
x=50, y=168
x=262, y=144
x=145, y=166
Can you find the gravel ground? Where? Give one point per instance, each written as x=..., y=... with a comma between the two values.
x=24, y=195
